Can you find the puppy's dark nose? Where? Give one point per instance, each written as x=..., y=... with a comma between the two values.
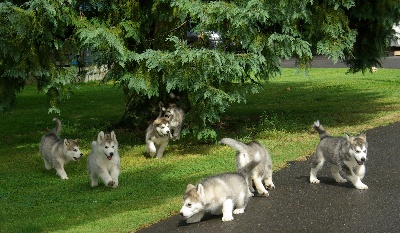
x=181, y=214
x=111, y=153
x=363, y=159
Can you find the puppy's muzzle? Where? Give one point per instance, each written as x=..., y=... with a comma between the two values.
x=110, y=156
x=361, y=162
x=77, y=158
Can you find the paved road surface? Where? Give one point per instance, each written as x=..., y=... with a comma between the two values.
x=298, y=206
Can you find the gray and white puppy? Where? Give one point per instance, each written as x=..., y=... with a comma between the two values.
x=347, y=154
x=56, y=152
x=262, y=172
x=157, y=137
x=176, y=116
x=104, y=161
x=225, y=193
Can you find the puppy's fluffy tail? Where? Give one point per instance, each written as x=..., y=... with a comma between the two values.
x=241, y=147
x=320, y=129
x=245, y=167
x=57, y=129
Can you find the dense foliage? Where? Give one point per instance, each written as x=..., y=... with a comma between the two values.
x=148, y=53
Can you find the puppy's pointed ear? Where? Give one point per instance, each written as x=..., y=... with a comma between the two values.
x=113, y=136
x=363, y=135
x=100, y=137
x=189, y=187
x=200, y=191
x=66, y=142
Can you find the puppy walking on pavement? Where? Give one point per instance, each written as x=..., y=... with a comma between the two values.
x=104, y=161
x=262, y=172
x=56, y=152
x=225, y=193
x=344, y=153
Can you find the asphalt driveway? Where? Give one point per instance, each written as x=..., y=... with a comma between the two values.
x=298, y=206
x=390, y=62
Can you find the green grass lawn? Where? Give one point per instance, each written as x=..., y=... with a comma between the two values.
x=33, y=199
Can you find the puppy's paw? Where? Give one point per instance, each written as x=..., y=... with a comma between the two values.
x=270, y=186
x=227, y=219
x=111, y=183
x=341, y=180
x=264, y=194
x=314, y=181
x=362, y=186
x=238, y=211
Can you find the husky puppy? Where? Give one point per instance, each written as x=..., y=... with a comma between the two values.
x=104, y=160
x=57, y=152
x=344, y=153
x=262, y=172
x=225, y=193
x=175, y=115
x=157, y=137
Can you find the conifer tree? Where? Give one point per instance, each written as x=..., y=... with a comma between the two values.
x=209, y=53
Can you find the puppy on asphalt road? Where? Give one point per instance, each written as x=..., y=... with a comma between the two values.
x=247, y=153
x=57, y=152
x=344, y=153
x=104, y=161
x=225, y=193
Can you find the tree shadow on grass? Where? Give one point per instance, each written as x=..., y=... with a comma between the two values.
x=296, y=108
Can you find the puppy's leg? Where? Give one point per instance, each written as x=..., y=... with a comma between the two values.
x=107, y=180
x=360, y=171
x=227, y=209
x=94, y=179
x=151, y=148
x=318, y=161
x=60, y=170
x=259, y=185
x=250, y=184
x=161, y=150
x=268, y=180
x=114, y=175
x=336, y=175
x=47, y=164
x=241, y=204
x=354, y=179
x=196, y=217
x=177, y=132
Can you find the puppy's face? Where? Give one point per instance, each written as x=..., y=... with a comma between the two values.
x=163, y=129
x=359, y=153
x=161, y=126
x=358, y=148
x=191, y=203
x=169, y=113
x=73, y=152
x=108, y=148
x=108, y=144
